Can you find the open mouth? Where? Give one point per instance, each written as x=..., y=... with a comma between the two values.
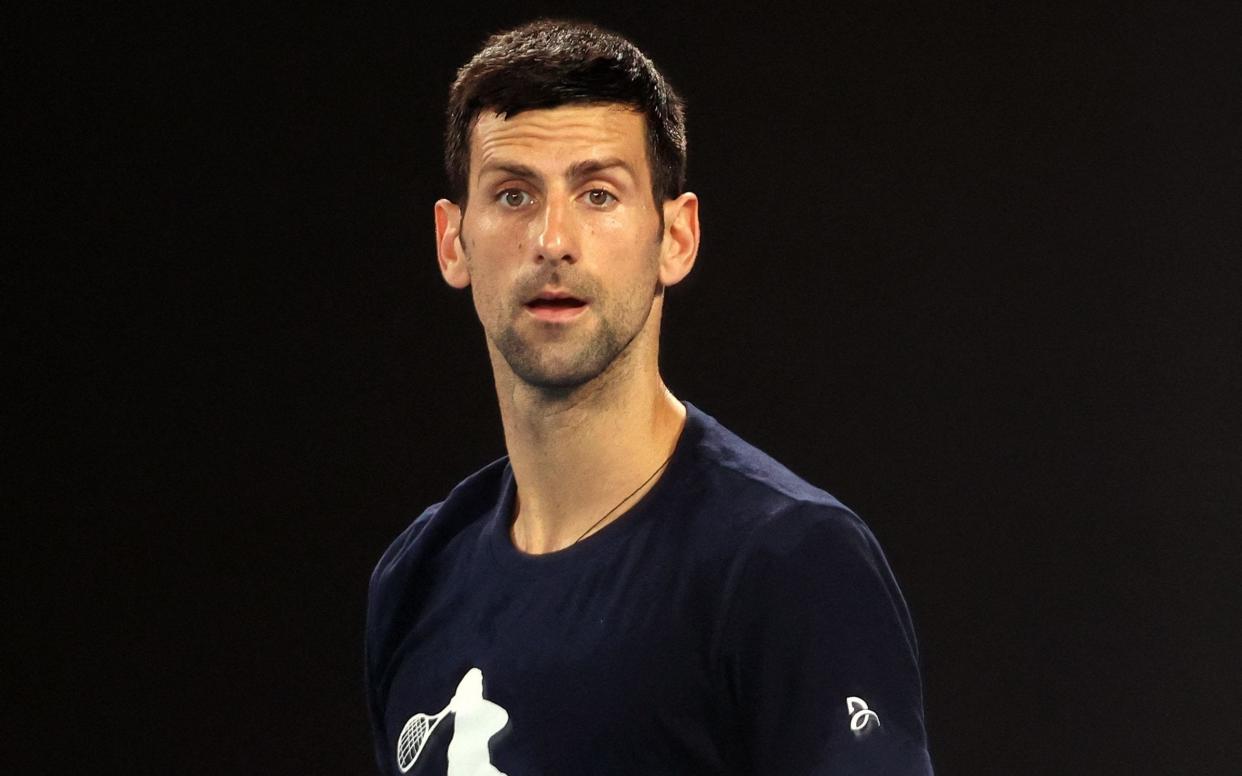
x=554, y=306
x=565, y=303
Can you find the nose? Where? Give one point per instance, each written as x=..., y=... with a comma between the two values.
x=557, y=238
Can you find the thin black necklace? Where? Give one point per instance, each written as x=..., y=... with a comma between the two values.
x=627, y=498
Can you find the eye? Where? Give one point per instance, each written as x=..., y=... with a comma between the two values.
x=513, y=198
x=600, y=197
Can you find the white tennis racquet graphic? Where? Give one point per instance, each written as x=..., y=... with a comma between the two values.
x=414, y=737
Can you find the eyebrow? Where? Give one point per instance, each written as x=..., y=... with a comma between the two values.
x=589, y=167
x=576, y=171
x=509, y=168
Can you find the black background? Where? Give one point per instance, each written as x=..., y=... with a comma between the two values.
x=975, y=271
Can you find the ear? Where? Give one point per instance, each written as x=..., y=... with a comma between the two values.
x=448, y=245
x=681, y=238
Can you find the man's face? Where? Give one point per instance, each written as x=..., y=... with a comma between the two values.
x=561, y=239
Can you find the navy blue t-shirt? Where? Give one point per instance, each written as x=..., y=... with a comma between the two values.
x=736, y=620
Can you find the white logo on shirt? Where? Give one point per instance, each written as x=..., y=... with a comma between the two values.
x=475, y=721
x=861, y=717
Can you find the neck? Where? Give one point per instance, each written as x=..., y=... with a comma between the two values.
x=579, y=455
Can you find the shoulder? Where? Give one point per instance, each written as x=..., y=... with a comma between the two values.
x=811, y=617
x=760, y=500
x=781, y=538
x=400, y=546
x=393, y=593
x=470, y=501
x=775, y=536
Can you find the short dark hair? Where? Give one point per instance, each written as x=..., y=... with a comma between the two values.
x=549, y=63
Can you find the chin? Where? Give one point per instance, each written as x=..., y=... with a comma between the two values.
x=559, y=381
x=544, y=368
x=558, y=376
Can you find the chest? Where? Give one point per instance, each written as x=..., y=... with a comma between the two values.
x=607, y=668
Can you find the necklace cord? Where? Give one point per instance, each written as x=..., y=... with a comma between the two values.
x=627, y=498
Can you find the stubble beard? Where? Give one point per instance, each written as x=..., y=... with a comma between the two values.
x=559, y=368
x=556, y=374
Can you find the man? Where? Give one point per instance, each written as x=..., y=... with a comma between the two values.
x=633, y=589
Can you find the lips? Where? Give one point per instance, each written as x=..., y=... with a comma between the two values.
x=555, y=306
x=555, y=300
x=556, y=303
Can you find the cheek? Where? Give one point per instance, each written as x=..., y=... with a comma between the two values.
x=492, y=291
x=484, y=284
x=612, y=224
x=482, y=281
x=485, y=305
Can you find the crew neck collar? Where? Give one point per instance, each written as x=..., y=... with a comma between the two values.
x=496, y=529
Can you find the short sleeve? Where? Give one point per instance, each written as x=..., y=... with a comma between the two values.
x=819, y=652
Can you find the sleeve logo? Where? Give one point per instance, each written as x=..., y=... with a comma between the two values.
x=861, y=717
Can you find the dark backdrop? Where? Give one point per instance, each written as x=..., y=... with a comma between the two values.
x=974, y=271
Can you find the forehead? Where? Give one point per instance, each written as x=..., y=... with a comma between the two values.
x=558, y=136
